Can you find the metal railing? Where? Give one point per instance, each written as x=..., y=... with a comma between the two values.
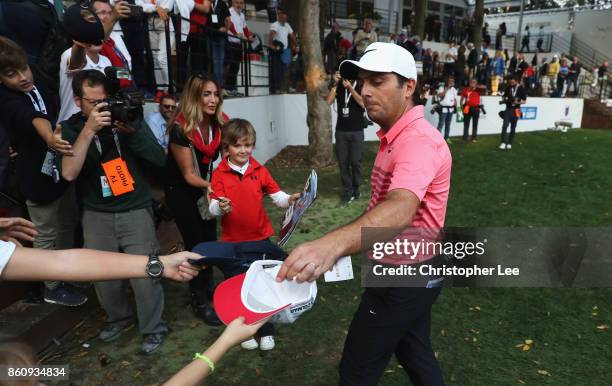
x=194, y=56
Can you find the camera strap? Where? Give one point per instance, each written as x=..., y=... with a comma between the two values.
x=115, y=137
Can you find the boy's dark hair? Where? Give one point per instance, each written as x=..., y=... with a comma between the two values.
x=90, y=78
x=236, y=129
x=12, y=57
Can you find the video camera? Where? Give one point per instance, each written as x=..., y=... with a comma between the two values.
x=125, y=105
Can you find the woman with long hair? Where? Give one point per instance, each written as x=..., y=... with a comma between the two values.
x=195, y=136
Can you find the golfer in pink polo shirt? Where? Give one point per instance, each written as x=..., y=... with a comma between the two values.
x=410, y=186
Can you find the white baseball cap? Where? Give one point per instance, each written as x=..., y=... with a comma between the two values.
x=381, y=57
x=256, y=295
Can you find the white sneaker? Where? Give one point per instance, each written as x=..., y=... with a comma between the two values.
x=508, y=146
x=502, y=146
x=266, y=343
x=250, y=344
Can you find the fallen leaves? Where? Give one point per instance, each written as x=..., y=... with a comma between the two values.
x=526, y=345
x=545, y=373
x=603, y=327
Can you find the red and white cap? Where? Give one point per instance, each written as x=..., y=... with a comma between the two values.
x=381, y=57
x=256, y=295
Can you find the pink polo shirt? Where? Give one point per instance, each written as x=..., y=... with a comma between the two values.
x=414, y=156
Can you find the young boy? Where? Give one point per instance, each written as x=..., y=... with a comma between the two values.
x=29, y=119
x=238, y=187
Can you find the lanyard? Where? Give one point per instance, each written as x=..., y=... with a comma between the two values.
x=348, y=95
x=38, y=103
x=210, y=134
x=115, y=137
x=515, y=90
x=214, y=8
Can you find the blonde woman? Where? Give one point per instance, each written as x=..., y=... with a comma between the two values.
x=196, y=130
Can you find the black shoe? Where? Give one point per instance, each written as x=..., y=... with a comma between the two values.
x=152, y=343
x=113, y=330
x=65, y=296
x=356, y=195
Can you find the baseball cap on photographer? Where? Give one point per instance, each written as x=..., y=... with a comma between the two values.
x=381, y=57
x=256, y=295
x=83, y=25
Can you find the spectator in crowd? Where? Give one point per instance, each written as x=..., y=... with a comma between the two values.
x=472, y=60
x=182, y=10
x=349, y=134
x=81, y=56
x=483, y=70
x=544, y=79
x=114, y=47
x=448, y=103
x=450, y=30
x=602, y=78
x=159, y=121
x=410, y=45
x=116, y=216
x=158, y=20
x=514, y=96
x=429, y=24
x=529, y=79
x=471, y=105
x=453, y=51
x=134, y=36
x=498, y=38
x=486, y=36
x=436, y=65
x=562, y=77
x=449, y=65
x=427, y=65
x=195, y=137
x=343, y=49
x=574, y=73
x=330, y=48
x=233, y=55
x=393, y=38
x=437, y=29
x=540, y=41
x=198, y=40
x=281, y=34
x=460, y=66
x=513, y=63
x=30, y=119
x=218, y=22
x=239, y=185
x=553, y=71
x=525, y=40
x=521, y=64
x=497, y=67
x=364, y=38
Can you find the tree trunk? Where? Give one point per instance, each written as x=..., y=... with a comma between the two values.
x=319, y=114
x=420, y=9
x=478, y=24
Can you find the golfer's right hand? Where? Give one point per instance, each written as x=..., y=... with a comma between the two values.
x=308, y=261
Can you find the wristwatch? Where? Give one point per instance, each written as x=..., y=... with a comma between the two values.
x=155, y=268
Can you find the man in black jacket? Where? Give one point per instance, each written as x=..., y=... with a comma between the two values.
x=514, y=96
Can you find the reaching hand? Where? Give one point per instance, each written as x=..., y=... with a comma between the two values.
x=177, y=268
x=58, y=144
x=225, y=205
x=163, y=14
x=121, y=10
x=237, y=331
x=293, y=198
x=308, y=261
x=14, y=228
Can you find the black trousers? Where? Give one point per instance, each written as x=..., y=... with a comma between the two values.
x=509, y=119
x=134, y=38
x=349, y=151
x=233, y=56
x=391, y=321
x=198, y=45
x=473, y=116
x=182, y=200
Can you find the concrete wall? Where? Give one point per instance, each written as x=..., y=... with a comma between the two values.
x=280, y=120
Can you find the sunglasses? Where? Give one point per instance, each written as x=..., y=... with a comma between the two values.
x=169, y=107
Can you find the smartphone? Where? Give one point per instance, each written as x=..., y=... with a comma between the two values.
x=135, y=12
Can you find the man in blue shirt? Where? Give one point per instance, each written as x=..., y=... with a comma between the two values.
x=158, y=121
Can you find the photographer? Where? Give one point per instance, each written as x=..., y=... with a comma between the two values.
x=448, y=105
x=514, y=96
x=349, y=133
x=117, y=213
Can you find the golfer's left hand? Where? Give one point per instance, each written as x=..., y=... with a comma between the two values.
x=177, y=268
x=308, y=261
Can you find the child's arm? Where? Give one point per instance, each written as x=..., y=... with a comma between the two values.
x=219, y=205
x=284, y=200
x=53, y=138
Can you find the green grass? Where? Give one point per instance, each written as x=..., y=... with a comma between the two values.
x=548, y=179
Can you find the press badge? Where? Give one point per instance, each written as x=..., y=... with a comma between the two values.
x=118, y=177
x=48, y=164
x=106, y=190
x=345, y=112
x=214, y=18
